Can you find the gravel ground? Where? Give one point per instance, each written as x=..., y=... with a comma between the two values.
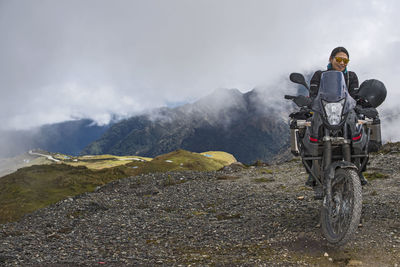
x=261, y=216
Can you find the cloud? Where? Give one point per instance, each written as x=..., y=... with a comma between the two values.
x=71, y=59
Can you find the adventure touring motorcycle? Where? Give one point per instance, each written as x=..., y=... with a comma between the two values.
x=333, y=134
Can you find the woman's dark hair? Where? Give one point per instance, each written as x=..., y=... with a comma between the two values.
x=338, y=50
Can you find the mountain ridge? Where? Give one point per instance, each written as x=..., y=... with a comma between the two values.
x=226, y=120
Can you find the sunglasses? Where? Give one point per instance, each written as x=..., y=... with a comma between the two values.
x=340, y=59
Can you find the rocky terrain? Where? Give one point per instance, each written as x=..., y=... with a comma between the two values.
x=261, y=215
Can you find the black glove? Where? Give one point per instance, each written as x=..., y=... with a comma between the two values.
x=303, y=114
x=368, y=112
x=302, y=101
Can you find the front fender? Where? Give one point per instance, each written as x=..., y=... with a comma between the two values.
x=330, y=172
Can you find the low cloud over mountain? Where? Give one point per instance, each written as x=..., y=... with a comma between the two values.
x=68, y=137
x=226, y=120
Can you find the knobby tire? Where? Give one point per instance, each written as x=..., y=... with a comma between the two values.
x=340, y=217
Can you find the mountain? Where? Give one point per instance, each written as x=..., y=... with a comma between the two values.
x=226, y=120
x=68, y=137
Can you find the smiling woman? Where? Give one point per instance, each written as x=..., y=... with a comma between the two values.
x=338, y=61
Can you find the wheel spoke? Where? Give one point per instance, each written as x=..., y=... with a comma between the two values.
x=341, y=204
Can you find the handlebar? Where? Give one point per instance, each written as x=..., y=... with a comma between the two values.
x=300, y=100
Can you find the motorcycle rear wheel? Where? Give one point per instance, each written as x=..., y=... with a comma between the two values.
x=340, y=215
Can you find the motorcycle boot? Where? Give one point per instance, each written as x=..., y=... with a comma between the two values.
x=310, y=181
x=362, y=179
x=318, y=192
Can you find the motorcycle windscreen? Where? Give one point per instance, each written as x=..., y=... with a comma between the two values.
x=333, y=88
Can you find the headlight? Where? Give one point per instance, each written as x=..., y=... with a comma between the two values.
x=334, y=111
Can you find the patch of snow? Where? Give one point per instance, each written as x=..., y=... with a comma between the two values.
x=137, y=159
x=49, y=157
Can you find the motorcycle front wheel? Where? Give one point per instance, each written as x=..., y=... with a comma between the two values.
x=340, y=215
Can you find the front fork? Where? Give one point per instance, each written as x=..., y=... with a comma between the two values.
x=327, y=174
x=326, y=163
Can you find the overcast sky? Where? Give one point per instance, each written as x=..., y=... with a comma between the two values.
x=66, y=59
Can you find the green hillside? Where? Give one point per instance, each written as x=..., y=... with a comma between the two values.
x=37, y=186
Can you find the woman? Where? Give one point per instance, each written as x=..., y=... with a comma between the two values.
x=338, y=60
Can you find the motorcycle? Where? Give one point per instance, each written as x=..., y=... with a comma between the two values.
x=333, y=135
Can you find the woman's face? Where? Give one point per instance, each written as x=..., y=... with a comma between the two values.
x=339, y=66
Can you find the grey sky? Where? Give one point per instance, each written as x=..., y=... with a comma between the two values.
x=63, y=59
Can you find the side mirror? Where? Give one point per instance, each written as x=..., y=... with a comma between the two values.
x=298, y=78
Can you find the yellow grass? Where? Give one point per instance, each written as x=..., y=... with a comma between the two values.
x=98, y=162
x=220, y=155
